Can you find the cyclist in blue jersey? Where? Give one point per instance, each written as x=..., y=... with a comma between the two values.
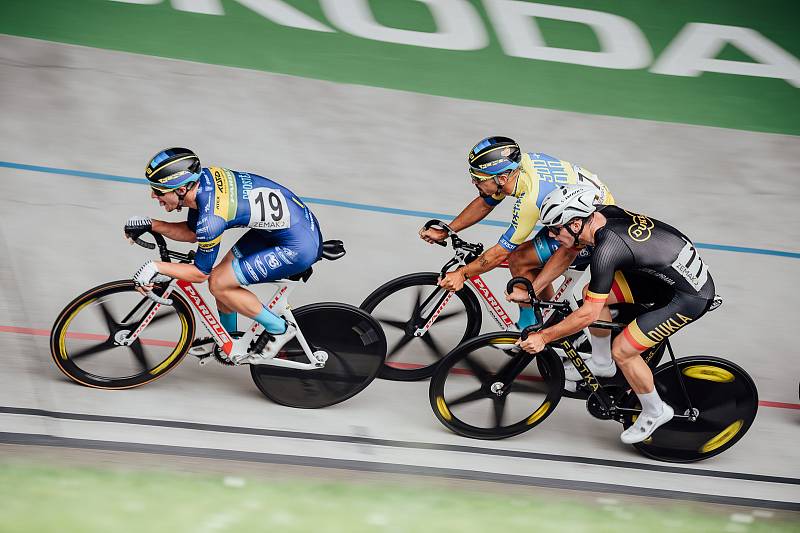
x=284, y=237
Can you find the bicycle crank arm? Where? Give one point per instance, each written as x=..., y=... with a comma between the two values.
x=691, y=417
x=286, y=364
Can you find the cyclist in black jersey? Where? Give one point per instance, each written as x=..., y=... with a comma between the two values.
x=636, y=259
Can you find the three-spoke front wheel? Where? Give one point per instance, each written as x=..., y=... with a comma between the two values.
x=405, y=305
x=488, y=388
x=86, y=341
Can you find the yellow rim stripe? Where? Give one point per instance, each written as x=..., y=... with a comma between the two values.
x=709, y=373
x=178, y=347
x=540, y=412
x=62, y=339
x=504, y=340
x=723, y=437
x=443, y=410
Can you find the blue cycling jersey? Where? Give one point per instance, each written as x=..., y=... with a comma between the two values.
x=231, y=199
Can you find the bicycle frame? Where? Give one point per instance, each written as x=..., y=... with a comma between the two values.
x=568, y=291
x=238, y=347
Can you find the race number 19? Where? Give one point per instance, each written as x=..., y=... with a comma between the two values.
x=268, y=209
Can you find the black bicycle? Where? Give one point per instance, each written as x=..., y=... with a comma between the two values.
x=488, y=388
x=112, y=337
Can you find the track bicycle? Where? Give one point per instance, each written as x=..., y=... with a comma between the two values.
x=414, y=349
x=336, y=353
x=408, y=308
x=489, y=388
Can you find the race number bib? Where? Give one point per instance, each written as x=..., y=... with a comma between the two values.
x=691, y=267
x=268, y=209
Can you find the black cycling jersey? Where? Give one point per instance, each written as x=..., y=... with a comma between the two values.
x=630, y=242
x=647, y=261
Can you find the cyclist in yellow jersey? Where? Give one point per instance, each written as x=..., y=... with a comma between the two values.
x=499, y=168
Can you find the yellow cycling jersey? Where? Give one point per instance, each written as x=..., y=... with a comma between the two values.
x=540, y=174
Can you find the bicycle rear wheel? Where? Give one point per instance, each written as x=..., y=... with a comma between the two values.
x=82, y=341
x=488, y=388
x=723, y=394
x=398, y=304
x=356, y=348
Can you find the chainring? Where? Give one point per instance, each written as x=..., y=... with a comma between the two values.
x=597, y=410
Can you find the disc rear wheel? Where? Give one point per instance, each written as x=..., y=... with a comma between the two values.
x=724, y=398
x=355, y=347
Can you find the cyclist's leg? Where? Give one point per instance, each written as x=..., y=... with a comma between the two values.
x=526, y=261
x=231, y=297
x=227, y=316
x=260, y=258
x=219, y=283
x=601, y=338
x=643, y=333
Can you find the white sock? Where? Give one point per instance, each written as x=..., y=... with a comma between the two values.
x=652, y=404
x=601, y=349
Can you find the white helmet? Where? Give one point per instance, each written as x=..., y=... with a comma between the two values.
x=567, y=202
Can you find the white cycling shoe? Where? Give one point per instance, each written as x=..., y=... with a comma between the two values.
x=278, y=341
x=645, y=425
x=571, y=373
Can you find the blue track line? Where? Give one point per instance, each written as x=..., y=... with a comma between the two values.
x=368, y=207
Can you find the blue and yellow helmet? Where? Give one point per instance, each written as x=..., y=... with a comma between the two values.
x=492, y=156
x=173, y=168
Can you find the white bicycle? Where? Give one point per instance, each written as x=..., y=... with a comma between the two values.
x=112, y=337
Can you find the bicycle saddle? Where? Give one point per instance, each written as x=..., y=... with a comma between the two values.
x=333, y=250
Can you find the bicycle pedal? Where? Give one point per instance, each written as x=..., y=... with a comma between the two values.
x=321, y=357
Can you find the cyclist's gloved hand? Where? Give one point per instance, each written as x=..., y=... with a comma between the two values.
x=136, y=226
x=146, y=275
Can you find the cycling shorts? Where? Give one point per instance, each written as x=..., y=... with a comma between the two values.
x=670, y=312
x=260, y=256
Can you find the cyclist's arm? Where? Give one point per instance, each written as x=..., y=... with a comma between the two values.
x=177, y=231
x=485, y=262
x=576, y=321
x=610, y=254
x=475, y=211
x=561, y=259
x=183, y=271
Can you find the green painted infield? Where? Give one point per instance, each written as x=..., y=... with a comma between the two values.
x=34, y=497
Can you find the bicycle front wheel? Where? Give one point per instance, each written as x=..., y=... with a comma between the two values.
x=356, y=348
x=722, y=394
x=407, y=303
x=85, y=339
x=488, y=388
